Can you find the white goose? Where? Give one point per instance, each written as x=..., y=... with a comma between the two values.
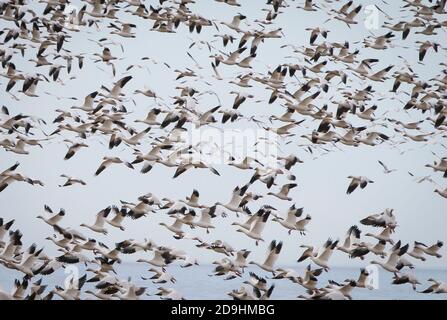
x=391, y=264
x=235, y=200
x=98, y=226
x=257, y=227
x=205, y=219
x=283, y=193
x=176, y=227
x=322, y=259
x=290, y=221
x=385, y=235
x=272, y=255
x=55, y=218
x=436, y=287
x=357, y=181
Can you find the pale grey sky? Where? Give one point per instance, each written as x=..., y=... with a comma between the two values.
x=322, y=178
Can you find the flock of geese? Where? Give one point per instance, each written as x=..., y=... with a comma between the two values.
x=306, y=85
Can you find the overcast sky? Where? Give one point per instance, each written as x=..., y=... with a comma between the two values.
x=322, y=178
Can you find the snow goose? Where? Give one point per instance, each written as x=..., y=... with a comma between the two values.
x=245, y=164
x=28, y=261
x=63, y=242
x=257, y=282
x=391, y=264
x=55, y=218
x=176, y=227
x=11, y=247
x=187, y=164
x=73, y=257
x=322, y=259
x=302, y=223
x=235, y=201
x=362, y=281
x=352, y=237
x=130, y=292
x=160, y=276
x=251, y=219
x=87, y=106
x=75, y=147
x=361, y=249
x=348, y=17
x=234, y=24
x=226, y=267
x=118, y=218
x=385, y=235
x=335, y=291
x=4, y=228
x=257, y=227
x=71, y=181
x=384, y=219
x=98, y=226
x=283, y=193
x=169, y=294
x=272, y=255
x=241, y=259
x=125, y=30
x=406, y=278
x=436, y=287
x=442, y=193
x=385, y=168
x=140, y=209
x=434, y=249
x=103, y=294
x=108, y=161
x=205, y=219
x=241, y=294
x=290, y=221
x=193, y=200
x=441, y=166
x=151, y=118
x=112, y=254
x=72, y=291
x=357, y=181
x=417, y=252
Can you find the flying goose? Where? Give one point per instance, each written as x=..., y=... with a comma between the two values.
x=169, y=294
x=352, y=237
x=384, y=235
x=391, y=264
x=205, y=219
x=73, y=289
x=160, y=276
x=235, y=201
x=321, y=259
x=384, y=219
x=4, y=228
x=361, y=249
x=257, y=227
x=108, y=161
x=290, y=222
x=55, y=218
x=436, y=287
x=101, y=217
x=433, y=250
x=442, y=193
x=118, y=218
x=357, y=181
x=71, y=181
x=406, y=278
x=272, y=255
x=283, y=193
x=176, y=227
